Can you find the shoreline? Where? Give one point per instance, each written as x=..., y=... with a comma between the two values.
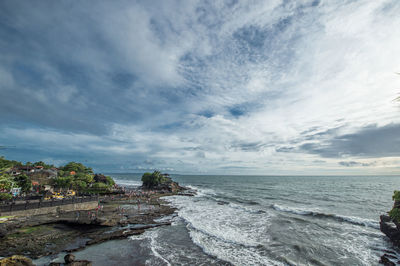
x=45, y=235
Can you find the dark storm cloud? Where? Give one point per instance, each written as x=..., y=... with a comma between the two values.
x=249, y=146
x=370, y=141
x=62, y=66
x=354, y=163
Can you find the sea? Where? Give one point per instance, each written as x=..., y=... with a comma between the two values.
x=262, y=220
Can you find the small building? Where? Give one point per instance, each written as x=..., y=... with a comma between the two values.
x=15, y=171
x=26, y=168
x=72, y=173
x=15, y=191
x=48, y=188
x=39, y=167
x=35, y=186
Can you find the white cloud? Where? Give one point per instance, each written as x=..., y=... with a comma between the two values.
x=265, y=73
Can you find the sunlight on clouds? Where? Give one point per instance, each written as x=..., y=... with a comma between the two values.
x=221, y=87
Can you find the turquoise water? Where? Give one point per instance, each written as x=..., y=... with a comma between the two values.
x=266, y=220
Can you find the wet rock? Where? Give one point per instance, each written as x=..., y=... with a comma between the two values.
x=390, y=229
x=3, y=231
x=16, y=260
x=43, y=235
x=386, y=261
x=69, y=258
x=80, y=263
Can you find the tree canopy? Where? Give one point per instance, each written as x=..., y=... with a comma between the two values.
x=77, y=168
x=5, y=164
x=153, y=179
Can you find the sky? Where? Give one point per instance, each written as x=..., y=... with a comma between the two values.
x=202, y=87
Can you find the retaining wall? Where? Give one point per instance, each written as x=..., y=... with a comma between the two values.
x=54, y=209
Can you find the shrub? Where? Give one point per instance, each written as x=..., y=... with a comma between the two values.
x=63, y=182
x=24, y=183
x=5, y=183
x=79, y=184
x=100, y=185
x=396, y=195
x=5, y=196
x=87, y=178
x=395, y=214
x=110, y=181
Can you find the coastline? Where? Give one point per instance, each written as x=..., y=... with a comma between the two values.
x=200, y=232
x=117, y=217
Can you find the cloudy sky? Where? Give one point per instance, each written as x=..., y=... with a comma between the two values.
x=211, y=87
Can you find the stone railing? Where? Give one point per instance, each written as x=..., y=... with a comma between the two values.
x=35, y=204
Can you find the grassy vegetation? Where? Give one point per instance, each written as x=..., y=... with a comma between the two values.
x=22, y=232
x=4, y=219
x=395, y=211
x=5, y=196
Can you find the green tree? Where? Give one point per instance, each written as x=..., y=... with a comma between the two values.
x=63, y=182
x=5, y=184
x=87, y=178
x=153, y=179
x=6, y=164
x=5, y=196
x=110, y=181
x=79, y=185
x=77, y=167
x=24, y=182
x=45, y=166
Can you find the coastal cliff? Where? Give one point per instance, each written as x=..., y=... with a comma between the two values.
x=390, y=226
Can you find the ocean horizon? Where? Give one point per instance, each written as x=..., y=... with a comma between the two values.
x=263, y=220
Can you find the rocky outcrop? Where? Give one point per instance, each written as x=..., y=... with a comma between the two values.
x=389, y=228
x=100, y=178
x=70, y=261
x=386, y=261
x=167, y=186
x=16, y=260
x=42, y=235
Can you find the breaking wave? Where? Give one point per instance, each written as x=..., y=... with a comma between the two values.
x=340, y=218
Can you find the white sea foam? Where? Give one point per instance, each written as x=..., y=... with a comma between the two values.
x=315, y=212
x=152, y=236
x=168, y=218
x=233, y=253
x=203, y=191
x=127, y=182
x=229, y=232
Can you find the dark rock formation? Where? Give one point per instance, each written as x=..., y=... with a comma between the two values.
x=100, y=178
x=167, y=186
x=69, y=258
x=386, y=261
x=70, y=261
x=389, y=228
